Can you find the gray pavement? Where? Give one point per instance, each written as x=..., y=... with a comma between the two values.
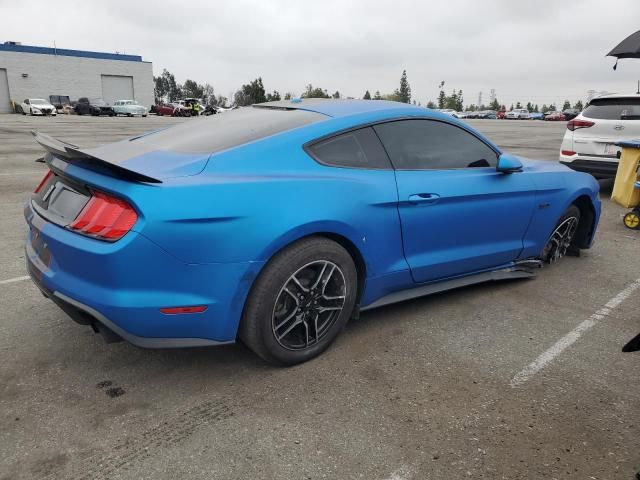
x=419, y=390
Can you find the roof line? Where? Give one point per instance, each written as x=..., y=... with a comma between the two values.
x=65, y=52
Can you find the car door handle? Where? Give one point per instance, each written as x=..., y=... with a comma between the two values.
x=419, y=198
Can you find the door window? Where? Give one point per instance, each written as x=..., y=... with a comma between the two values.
x=433, y=145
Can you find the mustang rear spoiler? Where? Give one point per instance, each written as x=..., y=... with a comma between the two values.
x=72, y=154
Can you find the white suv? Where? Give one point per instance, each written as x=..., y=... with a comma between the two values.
x=589, y=142
x=518, y=114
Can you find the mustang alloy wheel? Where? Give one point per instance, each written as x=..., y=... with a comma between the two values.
x=300, y=301
x=562, y=236
x=308, y=304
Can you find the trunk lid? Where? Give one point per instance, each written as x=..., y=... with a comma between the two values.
x=136, y=159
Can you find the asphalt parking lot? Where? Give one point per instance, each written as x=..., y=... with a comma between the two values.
x=513, y=380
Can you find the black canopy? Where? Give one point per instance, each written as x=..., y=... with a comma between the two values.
x=628, y=48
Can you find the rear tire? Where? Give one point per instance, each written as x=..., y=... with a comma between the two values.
x=300, y=302
x=563, y=236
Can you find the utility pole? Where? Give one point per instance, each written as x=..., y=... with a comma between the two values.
x=479, y=99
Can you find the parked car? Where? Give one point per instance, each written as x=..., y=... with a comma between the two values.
x=501, y=114
x=129, y=108
x=485, y=114
x=448, y=111
x=555, y=117
x=36, y=106
x=172, y=110
x=536, y=116
x=210, y=110
x=589, y=142
x=62, y=103
x=518, y=114
x=570, y=113
x=140, y=229
x=93, y=106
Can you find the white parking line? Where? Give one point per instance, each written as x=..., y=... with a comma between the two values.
x=13, y=280
x=547, y=357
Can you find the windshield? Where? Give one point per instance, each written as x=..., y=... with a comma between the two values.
x=98, y=101
x=37, y=101
x=613, y=109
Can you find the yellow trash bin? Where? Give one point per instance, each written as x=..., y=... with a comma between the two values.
x=624, y=192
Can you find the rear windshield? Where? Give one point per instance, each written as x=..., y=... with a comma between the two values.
x=228, y=129
x=613, y=109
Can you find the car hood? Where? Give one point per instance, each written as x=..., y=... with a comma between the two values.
x=41, y=106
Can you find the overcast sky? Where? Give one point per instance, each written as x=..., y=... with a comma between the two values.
x=543, y=50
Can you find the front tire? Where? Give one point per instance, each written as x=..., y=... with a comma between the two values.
x=563, y=236
x=300, y=302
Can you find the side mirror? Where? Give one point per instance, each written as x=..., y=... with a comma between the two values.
x=508, y=163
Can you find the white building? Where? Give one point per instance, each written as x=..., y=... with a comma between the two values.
x=37, y=72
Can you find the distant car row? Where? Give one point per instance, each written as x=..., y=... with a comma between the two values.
x=97, y=106
x=84, y=106
x=515, y=114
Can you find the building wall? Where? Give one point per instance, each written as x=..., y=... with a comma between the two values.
x=73, y=76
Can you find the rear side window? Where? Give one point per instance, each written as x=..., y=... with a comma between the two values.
x=613, y=109
x=356, y=149
x=433, y=145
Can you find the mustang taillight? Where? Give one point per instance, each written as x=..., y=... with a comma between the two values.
x=576, y=124
x=105, y=217
x=44, y=180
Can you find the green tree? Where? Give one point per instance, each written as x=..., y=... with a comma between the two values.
x=311, y=92
x=336, y=94
x=518, y=105
x=579, y=106
x=191, y=89
x=494, y=105
x=273, y=97
x=431, y=105
x=159, y=89
x=251, y=93
x=403, y=94
x=377, y=95
x=166, y=88
x=566, y=105
x=544, y=108
x=529, y=106
x=221, y=101
x=367, y=95
x=535, y=108
x=288, y=96
x=552, y=107
x=208, y=95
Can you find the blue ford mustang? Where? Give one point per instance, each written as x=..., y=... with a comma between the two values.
x=276, y=223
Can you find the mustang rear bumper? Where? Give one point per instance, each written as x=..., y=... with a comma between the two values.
x=119, y=288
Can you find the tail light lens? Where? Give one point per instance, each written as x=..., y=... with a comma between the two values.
x=105, y=217
x=567, y=153
x=576, y=124
x=44, y=180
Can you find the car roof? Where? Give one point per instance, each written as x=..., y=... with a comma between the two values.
x=340, y=108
